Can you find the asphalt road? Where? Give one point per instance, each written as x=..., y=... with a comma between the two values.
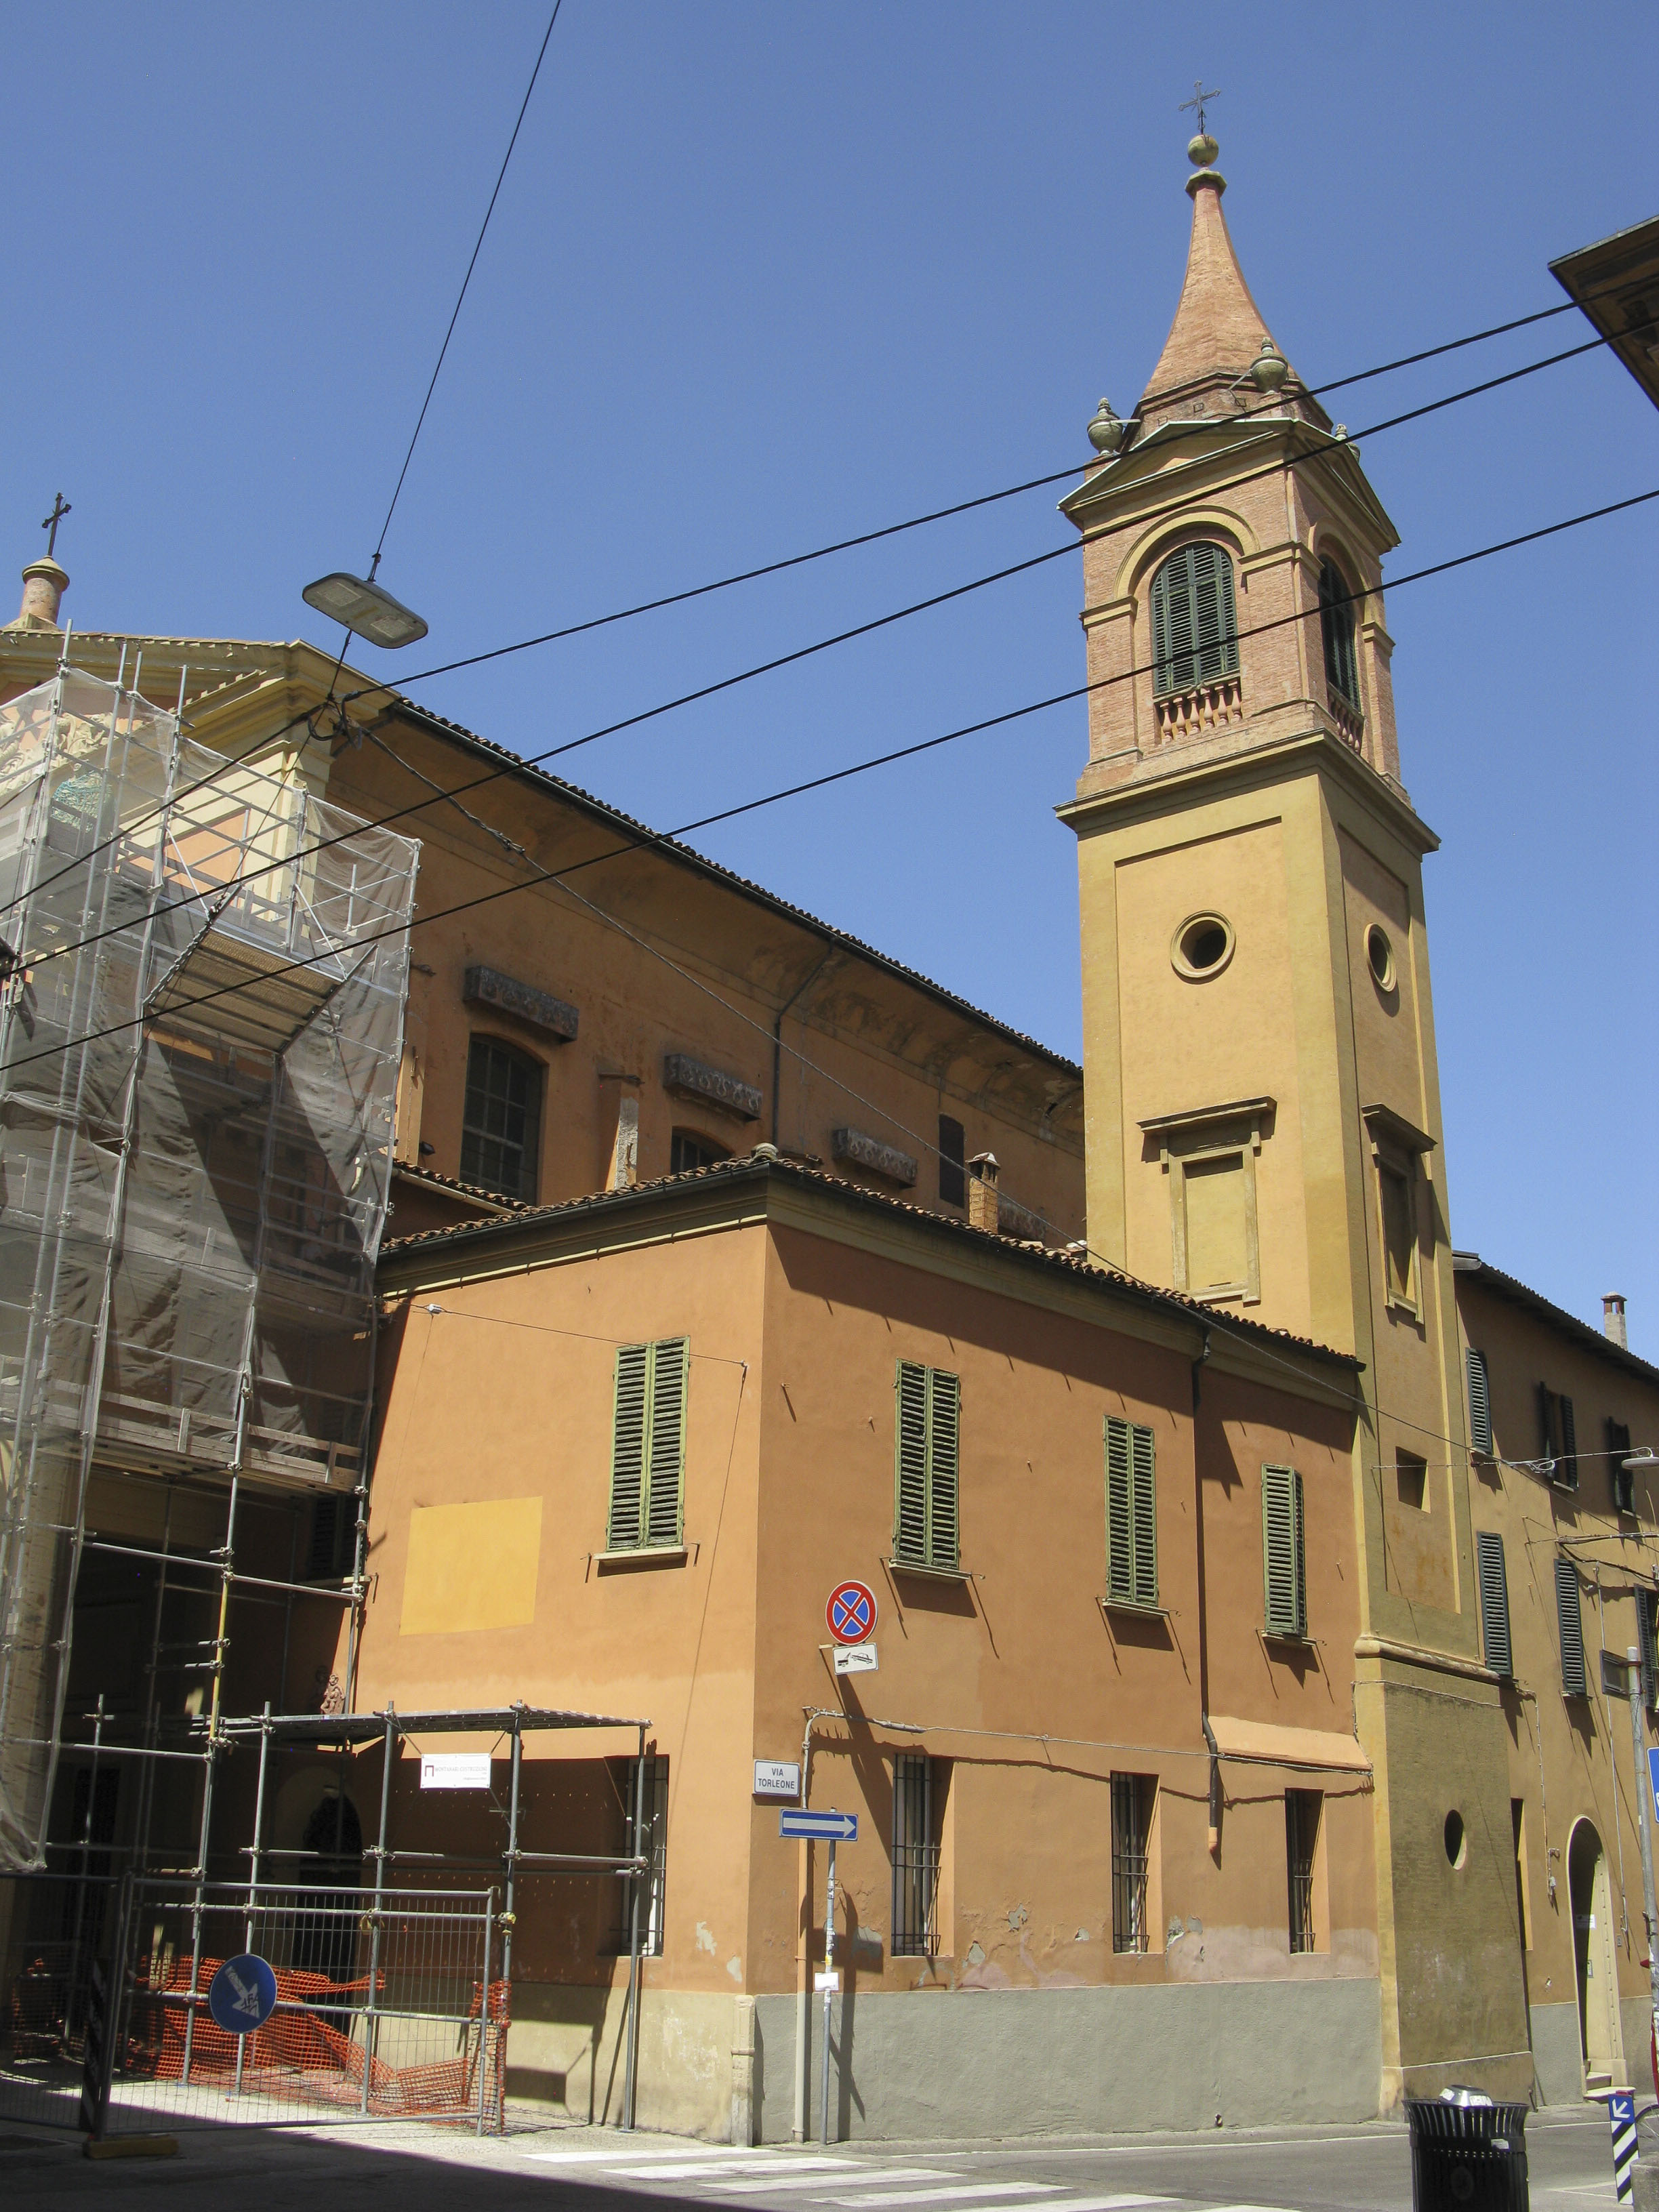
x=423, y=2168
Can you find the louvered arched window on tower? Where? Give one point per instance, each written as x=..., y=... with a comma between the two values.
x=1336, y=620
x=1194, y=627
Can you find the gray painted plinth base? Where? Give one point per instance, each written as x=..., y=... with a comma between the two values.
x=967, y=2063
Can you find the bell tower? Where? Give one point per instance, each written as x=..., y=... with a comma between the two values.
x=1261, y=1095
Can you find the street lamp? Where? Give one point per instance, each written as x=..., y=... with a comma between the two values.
x=366, y=608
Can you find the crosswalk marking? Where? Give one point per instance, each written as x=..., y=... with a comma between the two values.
x=954, y=2193
x=773, y=2162
x=783, y=2178
x=702, y=2153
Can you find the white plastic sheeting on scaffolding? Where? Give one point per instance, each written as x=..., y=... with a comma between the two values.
x=203, y=974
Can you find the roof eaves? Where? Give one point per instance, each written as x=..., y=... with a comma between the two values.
x=1521, y=1294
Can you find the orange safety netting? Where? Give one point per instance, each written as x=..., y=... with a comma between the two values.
x=301, y=2052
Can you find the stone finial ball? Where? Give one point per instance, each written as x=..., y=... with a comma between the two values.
x=1202, y=150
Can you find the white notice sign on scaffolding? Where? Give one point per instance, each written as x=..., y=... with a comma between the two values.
x=454, y=1770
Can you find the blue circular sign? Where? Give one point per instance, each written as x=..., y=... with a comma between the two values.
x=242, y=1995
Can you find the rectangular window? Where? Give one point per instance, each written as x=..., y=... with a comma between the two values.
x=648, y=1446
x=502, y=1118
x=1571, y=1622
x=953, y=1162
x=919, y=1786
x=1133, y=1796
x=1283, y=1552
x=1302, y=1809
x=652, y=1844
x=1522, y=1912
x=928, y=1423
x=1479, y=1403
x=1410, y=1477
x=1131, y=1513
x=333, y=1544
x=1624, y=1481
x=688, y=1149
x=1558, y=1433
x=1398, y=1198
x=1494, y=1602
x=1647, y=1634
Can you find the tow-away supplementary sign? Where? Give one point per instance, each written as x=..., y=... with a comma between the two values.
x=819, y=1827
x=851, y=1612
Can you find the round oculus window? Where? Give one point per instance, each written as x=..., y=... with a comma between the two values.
x=1457, y=1843
x=1203, y=945
x=1379, y=954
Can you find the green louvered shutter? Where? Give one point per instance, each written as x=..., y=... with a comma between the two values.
x=1574, y=1683
x=1120, y=1509
x=1494, y=1602
x=1215, y=623
x=1146, y=1497
x=1336, y=622
x=1283, y=1552
x=910, y=1479
x=1172, y=627
x=1479, y=1403
x=1649, y=1642
x=1567, y=1472
x=944, y=1438
x=664, y=1516
x=625, y=1527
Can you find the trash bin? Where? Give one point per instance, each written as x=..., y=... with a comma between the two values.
x=1468, y=2153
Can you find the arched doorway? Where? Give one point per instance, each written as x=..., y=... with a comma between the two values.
x=1595, y=1959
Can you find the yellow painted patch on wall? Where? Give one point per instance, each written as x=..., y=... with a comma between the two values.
x=471, y=1567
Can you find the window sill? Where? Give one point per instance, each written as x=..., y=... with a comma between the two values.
x=1130, y=1604
x=928, y=1574
x=1303, y=1643
x=645, y=1555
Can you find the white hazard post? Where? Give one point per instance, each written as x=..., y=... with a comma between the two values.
x=1645, y=1787
x=829, y=1987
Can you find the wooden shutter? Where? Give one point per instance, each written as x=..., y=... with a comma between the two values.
x=1649, y=1643
x=625, y=1527
x=1479, y=1403
x=1574, y=1683
x=1282, y=1551
x=1494, y=1602
x=910, y=1480
x=943, y=1432
x=670, y=1369
x=1120, y=1509
x=1567, y=1472
x=1624, y=1482
x=1172, y=627
x=1145, y=1515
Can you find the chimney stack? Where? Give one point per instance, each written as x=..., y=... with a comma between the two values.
x=44, y=585
x=1613, y=1319
x=983, y=1173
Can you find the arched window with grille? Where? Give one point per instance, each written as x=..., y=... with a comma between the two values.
x=1336, y=622
x=1194, y=626
x=502, y=1118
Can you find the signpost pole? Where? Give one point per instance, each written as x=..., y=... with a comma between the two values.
x=829, y=1979
x=1644, y=1787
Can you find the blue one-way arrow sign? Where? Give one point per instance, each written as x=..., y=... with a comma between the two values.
x=819, y=1827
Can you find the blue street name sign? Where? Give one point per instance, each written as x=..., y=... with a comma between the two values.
x=1653, y=1778
x=819, y=1827
x=242, y=1995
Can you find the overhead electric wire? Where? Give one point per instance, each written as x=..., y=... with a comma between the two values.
x=802, y=653
x=649, y=838
x=747, y=575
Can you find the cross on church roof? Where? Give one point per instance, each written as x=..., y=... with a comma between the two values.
x=1199, y=96
x=60, y=508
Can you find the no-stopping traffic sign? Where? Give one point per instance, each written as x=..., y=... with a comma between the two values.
x=851, y=1612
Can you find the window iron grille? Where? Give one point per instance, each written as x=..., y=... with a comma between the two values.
x=915, y=1858
x=1302, y=1811
x=1132, y=1822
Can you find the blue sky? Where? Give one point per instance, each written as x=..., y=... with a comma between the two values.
x=762, y=275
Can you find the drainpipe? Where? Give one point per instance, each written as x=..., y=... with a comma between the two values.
x=802, y=1993
x=777, y=1070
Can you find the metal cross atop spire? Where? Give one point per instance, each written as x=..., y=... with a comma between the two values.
x=1197, y=102
x=60, y=508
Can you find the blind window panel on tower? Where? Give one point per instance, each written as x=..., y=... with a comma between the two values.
x=927, y=1446
x=502, y=1118
x=1479, y=1403
x=1647, y=1638
x=1337, y=627
x=1133, y=1796
x=1284, y=1552
x=648, y=1446
x=918, y=1792
x=1558, y=1433
x=1623, y=1479
x=1131, y=1514
x=1575, y=1682
x=1194, y=626
x=1494, y=1602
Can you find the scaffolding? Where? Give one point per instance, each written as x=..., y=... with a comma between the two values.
x=203, y=972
